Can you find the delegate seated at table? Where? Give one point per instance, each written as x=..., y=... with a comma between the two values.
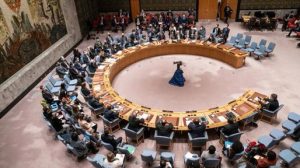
x=196, y=129
x=270, y=103
x=163, y=127
x=135, y=123
x=230, y=128
x=109, y=114
x=111, y=139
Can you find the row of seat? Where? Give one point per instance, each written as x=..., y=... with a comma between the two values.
x=259, y=50
x=54, y=85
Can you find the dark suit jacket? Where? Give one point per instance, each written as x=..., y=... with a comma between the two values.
x=47, y=96
x=110, y=115
x=196, y=130
x=271, y=105
x=164, y=130
x=134, y=123
x=109, y=139
x=230, y=129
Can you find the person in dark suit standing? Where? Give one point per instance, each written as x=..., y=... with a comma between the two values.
x=135, y=123
x=270, y=103
x=109, y=114
x=216, y=31
x=225, y=33
x=227, y=12
x=196, y=129
x=111, y=139
x=231, y=128
x=164, y=128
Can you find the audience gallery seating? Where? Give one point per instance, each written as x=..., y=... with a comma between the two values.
x=163, y=140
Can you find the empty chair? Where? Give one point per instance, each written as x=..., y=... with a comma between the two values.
x=277, y=134
x=232, y=138
x=249, y=119
x=70, y=88
x=268, y=141
x=294, y=117
x=296, y=147
x=126, y=149
x=138, y=136
x=290, y=126
x=55, y=82
x=231, y=41
x=52, y=89
x=262, y=42
x=168, y=156
x=270, y=48
x=68, y=81
x=97, y=161
x=270, y=114
x=288, y=157
x=240, y=44
x=163, y=140
x=148, y=156
x=247, y=40
x=261, y=52
x=197, y=142
x=251, y=49
x=211, y=163
x=239, y=36
x=111, y=125
x=89, y=81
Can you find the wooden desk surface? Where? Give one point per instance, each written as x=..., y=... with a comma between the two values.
x=216, y=117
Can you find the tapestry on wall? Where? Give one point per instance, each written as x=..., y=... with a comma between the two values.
x=269, y=4
x=163, y=5
x=27, y=28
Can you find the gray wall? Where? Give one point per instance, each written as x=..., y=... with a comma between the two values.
x=20, y=81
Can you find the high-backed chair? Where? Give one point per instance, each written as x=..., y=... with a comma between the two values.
x=96, y=111
x=262, y=42
x=251, y=49
x=70, y=88
x=197, y=142
x=240, y=44
x=148, y=156
x=270, y=48
x=126, y=149
x=97, y=161
x=247, y=40
x=89, y=81
x=290, y=126
x=212, y=163
x=231, y=41
x=239, y=36
x=277, y=134
x=270, y=114
x=288, y=157
x=261, y=52
x=68, y=81
x=232, y=138
x=163, y=140
x=55, y=82
x=295, y=117
x=138, y=137
x=268, y=141
x=52, y=89
x=249, y=119
x=112, y=126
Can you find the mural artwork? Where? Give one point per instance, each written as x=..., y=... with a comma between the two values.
x=27, y=28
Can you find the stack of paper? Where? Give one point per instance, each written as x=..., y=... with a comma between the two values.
x=222, y=118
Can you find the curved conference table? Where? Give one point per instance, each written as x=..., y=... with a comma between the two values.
x=239, y=108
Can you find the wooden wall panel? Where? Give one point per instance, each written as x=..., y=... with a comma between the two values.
x=135, y=8
x=207, y=9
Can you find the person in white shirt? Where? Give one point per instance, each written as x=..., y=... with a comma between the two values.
x=210, y=153
x=114, y=161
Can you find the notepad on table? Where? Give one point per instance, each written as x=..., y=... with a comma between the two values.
x=222, y=118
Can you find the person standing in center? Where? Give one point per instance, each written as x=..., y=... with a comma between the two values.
x=178, y=78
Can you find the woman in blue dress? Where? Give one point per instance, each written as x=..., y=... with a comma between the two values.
x=178, y=79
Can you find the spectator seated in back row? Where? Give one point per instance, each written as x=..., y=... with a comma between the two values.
x=210, y=154
x=196, y=129
x=111, y=139
x=84, y=90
